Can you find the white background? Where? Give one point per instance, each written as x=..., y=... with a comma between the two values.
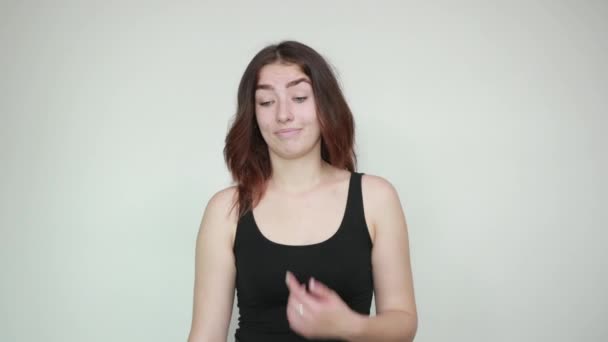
x=489, y=118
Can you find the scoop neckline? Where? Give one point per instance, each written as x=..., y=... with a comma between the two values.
x=316, y=244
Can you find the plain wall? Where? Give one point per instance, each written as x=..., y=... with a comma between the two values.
x=490, y=119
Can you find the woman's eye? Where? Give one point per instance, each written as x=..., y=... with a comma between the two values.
x=265, y=103
x=300, y=99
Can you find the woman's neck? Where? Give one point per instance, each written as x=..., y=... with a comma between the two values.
x=298, y=175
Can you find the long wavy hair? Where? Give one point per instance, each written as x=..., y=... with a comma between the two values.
x=246, y=153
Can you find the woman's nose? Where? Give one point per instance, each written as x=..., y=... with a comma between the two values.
x=284, y=113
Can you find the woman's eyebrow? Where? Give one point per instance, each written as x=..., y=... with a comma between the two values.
x=289, y=84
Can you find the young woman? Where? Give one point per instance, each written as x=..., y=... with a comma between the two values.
x=303, y=238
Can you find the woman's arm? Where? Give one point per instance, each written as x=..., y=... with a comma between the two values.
x=387, y=326
x=396, y=314
x=214, y=271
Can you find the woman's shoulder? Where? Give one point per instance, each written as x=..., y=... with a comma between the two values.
x=379, y=195
x=224, y=196
x=221, y=207
x=377, y=187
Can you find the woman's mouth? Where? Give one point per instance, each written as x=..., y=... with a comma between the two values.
x=288, y=132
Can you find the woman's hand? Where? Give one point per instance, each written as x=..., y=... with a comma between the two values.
x=320, y=313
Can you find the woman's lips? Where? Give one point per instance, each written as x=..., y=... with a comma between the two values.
x=288, y=133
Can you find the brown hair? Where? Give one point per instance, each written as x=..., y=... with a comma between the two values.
x=246, y=152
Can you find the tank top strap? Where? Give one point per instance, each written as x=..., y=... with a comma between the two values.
x=355, y=196
x=355, y=214
x=357, y=193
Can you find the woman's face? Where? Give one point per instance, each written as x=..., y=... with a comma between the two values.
x=286, y=112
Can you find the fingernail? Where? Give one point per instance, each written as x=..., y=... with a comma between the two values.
x=312, y=283
x=287, y=277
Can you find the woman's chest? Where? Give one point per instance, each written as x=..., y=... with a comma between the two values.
x=299, y=222
x=343, y=264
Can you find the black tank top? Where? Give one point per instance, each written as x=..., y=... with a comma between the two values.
x=343, y=262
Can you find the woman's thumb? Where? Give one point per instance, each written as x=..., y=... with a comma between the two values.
x=318, y=288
